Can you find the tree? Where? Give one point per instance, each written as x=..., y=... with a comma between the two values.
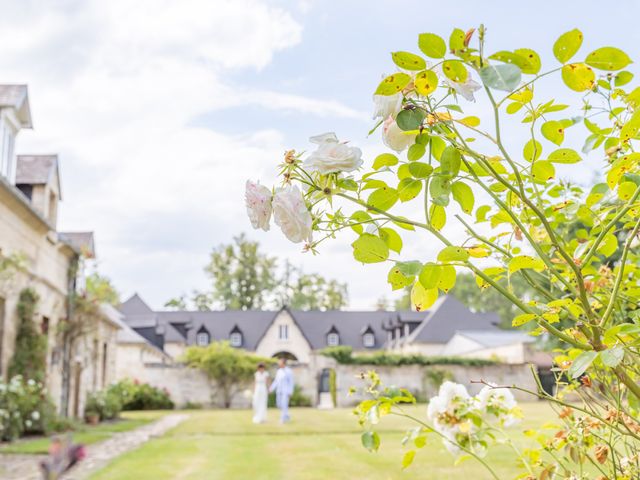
x=100, y=288
x=574, y=246
x=177, y=303
x=312, y=291
x=230, y=369
x=30, y=354
x=243, y=277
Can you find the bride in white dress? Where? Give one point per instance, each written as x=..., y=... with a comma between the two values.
x=260, y=394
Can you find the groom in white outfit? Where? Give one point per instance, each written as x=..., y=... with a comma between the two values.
x=283, y=386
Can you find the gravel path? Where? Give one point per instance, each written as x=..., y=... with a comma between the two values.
x=25, y=467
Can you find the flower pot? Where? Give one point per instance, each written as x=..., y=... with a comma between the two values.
x=92, y=418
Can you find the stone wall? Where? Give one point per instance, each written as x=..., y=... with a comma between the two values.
x=190, y=385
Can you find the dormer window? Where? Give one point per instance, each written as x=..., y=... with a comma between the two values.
x=235, y=338
x=333, y=338
x=203, y=338
x=369, y=340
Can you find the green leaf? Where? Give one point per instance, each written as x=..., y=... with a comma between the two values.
x=391, y=238
x=450, y=161
x=542, y=171
x=453, y=254
x=420, y=170
x=385, y=160
x=411, y=119
x=567, y=45
x=481, y=213
x=626, y=190
x=612, y=357
x=370, y=441
x=630, y=129
x=501, y=77
x=430, y=275
x=408, y=189
x=447, y=278
x=522, y=319
x=578, y=77
x=410, y=268
x=440, y=189
x=397, y=279
x=532, y=150
x=581, y=363
x=403, y=225
x=408, y=61
x=456, y=40
x=564, y=155
x=426, y=82
x=407, y=459
x=533, y=60
x=437, y=217
x=609, y=245
x=525, y=261
x=369, y=248
x=432, y=45
x=623, y=78
x=511, y=57
x=416, y=152
x=463, y=194
x=608, y=58
x=358, y=217
x=393, y=84
x=455, y=70
x=421, y=298
x=553, y=131
x=383, y=198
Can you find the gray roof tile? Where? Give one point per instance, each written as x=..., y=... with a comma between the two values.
x=17, y=97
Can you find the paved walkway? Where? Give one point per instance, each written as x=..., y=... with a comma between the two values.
x=25, y=467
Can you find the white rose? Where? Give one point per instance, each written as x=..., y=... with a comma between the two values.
x=332, y=156
x=386, y=105
x=35, y=415
x=394, y=138
x=291, y=214
x=258, y=200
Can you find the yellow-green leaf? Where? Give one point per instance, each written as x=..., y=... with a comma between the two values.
x=383, y=198
x=542, y=171
x=453, y=254
x=608, y=58
x=609, y=245
x=385, y=160
x=369, y=248
x=553, y=131
x=391, y=238
x=567, y=45
x=532, y=150
x=447, y=278
x=578, y=77
x=422, y=298
x=408, y=458
x=525, y=261
x=463, y=194
x=522, y=319
x=393, y=84
x=430, y=275
x=437, y=217
x=564, y=155
x=425, y=82
x=533, y=60
x=408, y=189
x=432, y=45
x=408, y=61
x=397, y=279
x=455, y=70
x=626, y=190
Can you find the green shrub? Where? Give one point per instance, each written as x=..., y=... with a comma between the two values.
x=141, y=396
x=189, y=405
x=25, y=408
x=345, y=356
x=30, y=354
x=105, y=403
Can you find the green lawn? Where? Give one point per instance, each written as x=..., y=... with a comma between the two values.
x=317, y=444
x=86, y=434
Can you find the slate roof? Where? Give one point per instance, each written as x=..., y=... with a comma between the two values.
x=37, y=170
x=17, y=97
x=82, y=241
x=436, y=325
x=449, y=315
x=490, y=339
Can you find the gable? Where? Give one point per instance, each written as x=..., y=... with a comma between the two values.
x=296, y=342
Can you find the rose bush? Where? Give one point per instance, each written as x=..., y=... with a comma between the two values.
x=510, y=187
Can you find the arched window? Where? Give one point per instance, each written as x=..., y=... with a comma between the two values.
x=202, y=338
x=369, y=340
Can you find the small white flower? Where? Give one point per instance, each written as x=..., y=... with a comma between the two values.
x=386, y=105
x=35, y=415
x=332, y=156
x=498, y=403
x=258, y=201
x=395, y=138
x=291, y=214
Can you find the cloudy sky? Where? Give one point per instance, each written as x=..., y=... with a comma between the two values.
x=160, y=109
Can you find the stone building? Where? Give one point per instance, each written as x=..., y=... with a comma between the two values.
x=51, y=263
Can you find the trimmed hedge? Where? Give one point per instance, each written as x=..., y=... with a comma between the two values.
x=344, y=355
